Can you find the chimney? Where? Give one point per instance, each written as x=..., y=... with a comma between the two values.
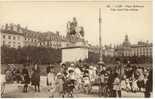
x=57, y=32
x=11, y=27
x=18, y=27
x=6, y=26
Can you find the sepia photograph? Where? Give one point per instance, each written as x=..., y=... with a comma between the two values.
x=76, y=49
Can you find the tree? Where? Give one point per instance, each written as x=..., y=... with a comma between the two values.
x=30, y=55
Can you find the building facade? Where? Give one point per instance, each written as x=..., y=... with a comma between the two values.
x=31, y=38
x=12, y=36
x=53, y=40
x=139, y=49
x=16, y=36
x=125, y=49
x=109, y=51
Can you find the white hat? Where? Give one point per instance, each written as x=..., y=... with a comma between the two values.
x=70, y=68
x=72, y=64
x=91, y=67
x=58, y=74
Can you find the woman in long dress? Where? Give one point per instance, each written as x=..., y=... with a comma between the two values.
x=35, y=79
x=26, y=77
x=51, y=81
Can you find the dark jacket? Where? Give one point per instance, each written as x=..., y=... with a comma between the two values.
x=149, y=82
x=35, y=76
x=26, y=76
x=48, y=69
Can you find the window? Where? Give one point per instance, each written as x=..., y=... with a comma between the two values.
x=9, y=44
x=14, y=44
x=19, y=46
x=14, y=38
x=3, y=36
x=18, y=37
x=3, y=42
x=9, y=37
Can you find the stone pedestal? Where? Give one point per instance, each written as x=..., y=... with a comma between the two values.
x=74, y=53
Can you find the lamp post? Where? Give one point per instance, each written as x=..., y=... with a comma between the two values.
x=100, y=63
x=100, y=38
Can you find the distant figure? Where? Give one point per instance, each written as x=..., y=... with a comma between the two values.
x=86, y=84
x=58, y=86
x=149, y=85
x=140, y=81
x=110, y=83
x=18, y=76
x=119, y=68
x=70, y=82
x=51, y=79
x=26, y=78
x=117, y=86
x=8, y=76
x=36, y=77
x=134, y=85
x=48, y=69
x=78, y=74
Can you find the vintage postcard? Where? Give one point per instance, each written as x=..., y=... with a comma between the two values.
x=76, y=49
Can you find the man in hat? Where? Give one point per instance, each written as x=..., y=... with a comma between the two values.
x=101, y=72
x=119, y=68
x=26, y=77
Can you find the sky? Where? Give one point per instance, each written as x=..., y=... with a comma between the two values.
x=53, y=16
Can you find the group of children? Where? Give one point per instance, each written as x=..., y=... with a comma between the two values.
x=135, y=79
x=69, y=79
x=55, y=83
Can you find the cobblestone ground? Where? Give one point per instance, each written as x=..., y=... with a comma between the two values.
x=15, y=91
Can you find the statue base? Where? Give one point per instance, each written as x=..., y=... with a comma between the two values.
x=74, y=52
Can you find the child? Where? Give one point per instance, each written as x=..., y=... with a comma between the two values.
x=134, y=85
x=117, y=86
x=128, y=87
x=70, y=82
x=86, y=83
x=123, y=83
x=51, y=80
x=58, y=88
x=71, y=74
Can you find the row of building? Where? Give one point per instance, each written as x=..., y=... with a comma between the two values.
x=15, y=36
x=128, y=49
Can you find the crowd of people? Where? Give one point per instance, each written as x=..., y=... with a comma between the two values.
x=72, y=79
x=24, y=76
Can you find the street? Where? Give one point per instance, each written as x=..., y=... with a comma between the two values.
x=15, y=91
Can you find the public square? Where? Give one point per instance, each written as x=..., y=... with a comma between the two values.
x=15, y=91
x=76, y=49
